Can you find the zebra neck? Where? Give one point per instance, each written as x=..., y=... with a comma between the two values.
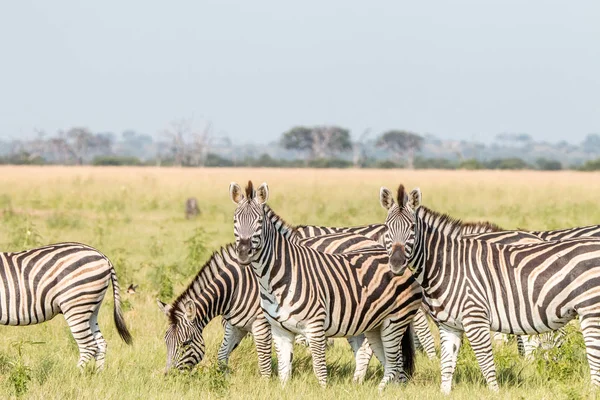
x=436, y=238
x=211, y=289
x=275, y=233
x=283, y=228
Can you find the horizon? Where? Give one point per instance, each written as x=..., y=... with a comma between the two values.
x=460, y=71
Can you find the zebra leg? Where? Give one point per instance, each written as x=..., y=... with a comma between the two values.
x=362, y=355
x=284, y=347
x=79, y=324
x=450, y=340
x=261, y=331
x=590, y=326
x=301, y=340
x=100, y=342
x=477, y=330
x=232, y=338
x=423, y=337
x=521, y=345
x=317, y=343
x=529, y=343
x=386, y=346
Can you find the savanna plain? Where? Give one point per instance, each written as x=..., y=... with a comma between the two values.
x=136, y=217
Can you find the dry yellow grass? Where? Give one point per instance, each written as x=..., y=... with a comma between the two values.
x=136, y=216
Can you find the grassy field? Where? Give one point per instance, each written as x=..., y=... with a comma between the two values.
x=136, y=217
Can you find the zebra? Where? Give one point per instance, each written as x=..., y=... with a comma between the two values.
x=475, y=286
x=313, y=234
x=528, y=343
x=223, y=287
x=62, y=278
x=323, y=295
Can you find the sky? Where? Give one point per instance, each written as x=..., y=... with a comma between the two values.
x=461, y=69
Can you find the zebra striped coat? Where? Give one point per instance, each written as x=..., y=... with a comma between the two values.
x=474, y=285
x=314, y=234
x=224, y=287
x=323, y=295
x=63, y=278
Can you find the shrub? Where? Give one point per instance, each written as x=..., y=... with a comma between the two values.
x=116, y=160
x=548, y=165
x=592, y=165
x=471, y=164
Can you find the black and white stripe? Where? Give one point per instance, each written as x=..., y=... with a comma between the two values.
x=224, y=287
x=63, y=278
x=318, y=237
x=475, y=285
x=323, y=295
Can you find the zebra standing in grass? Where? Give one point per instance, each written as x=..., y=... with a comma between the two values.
x=323, y=295
x=475, y=285
x=312, y=234
x=528, y=343
x=63, y=278
x=224, y=287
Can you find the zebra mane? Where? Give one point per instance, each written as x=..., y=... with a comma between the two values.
x=206, y=274
x=453, y=227
x=287, y=230
x=250, y=191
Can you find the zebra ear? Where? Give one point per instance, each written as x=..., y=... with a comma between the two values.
x=262, y=193
x=190, y=310
x=414, y=199
x=164, y=307
x=235, y=193
x=386, y=198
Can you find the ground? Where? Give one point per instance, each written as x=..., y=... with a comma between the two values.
x=136, y=217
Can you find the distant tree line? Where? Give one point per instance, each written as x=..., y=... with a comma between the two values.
x=320, y=146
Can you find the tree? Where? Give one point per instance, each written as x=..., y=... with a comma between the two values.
x=317, y=141
x=403, y=144
x=188, y=147
x=81, y=140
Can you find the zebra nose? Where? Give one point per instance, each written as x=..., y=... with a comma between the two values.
x=397, y=259
x=244, y=250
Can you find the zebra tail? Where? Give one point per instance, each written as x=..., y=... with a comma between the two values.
x=408, y=351
x=118, y=315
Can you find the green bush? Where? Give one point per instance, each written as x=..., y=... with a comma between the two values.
x=471, y=164
x=507, y=163
x=548, y=165
x=592, y=165
x=116, y=160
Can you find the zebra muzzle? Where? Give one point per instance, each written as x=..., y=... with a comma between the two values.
x=398, y=260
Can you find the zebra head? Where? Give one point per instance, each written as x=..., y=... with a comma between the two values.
x=399, y=235
x=185, y=344
x=248, y=220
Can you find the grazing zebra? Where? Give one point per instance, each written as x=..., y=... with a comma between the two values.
x=323, y=295
x=224, y=287
x=63, y=278
x=191, y=208
x=475, y=286
x=314, y=234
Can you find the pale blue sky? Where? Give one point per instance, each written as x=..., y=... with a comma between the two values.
x=456, y=69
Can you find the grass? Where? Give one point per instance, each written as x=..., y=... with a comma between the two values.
x=136, y=216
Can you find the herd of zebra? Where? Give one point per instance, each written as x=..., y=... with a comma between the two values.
x=375, y=285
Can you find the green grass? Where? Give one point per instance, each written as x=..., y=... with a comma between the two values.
x=136, y=217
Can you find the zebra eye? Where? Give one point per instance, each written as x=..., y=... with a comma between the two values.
x=187, y=343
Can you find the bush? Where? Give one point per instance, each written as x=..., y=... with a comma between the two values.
x=22, y=158
x=592, y=165
x=548, y=165
x=329, y=163
x=215, y=160
x=471, y=164
x=116, y=160
x=507, y=163
x=434, y=163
